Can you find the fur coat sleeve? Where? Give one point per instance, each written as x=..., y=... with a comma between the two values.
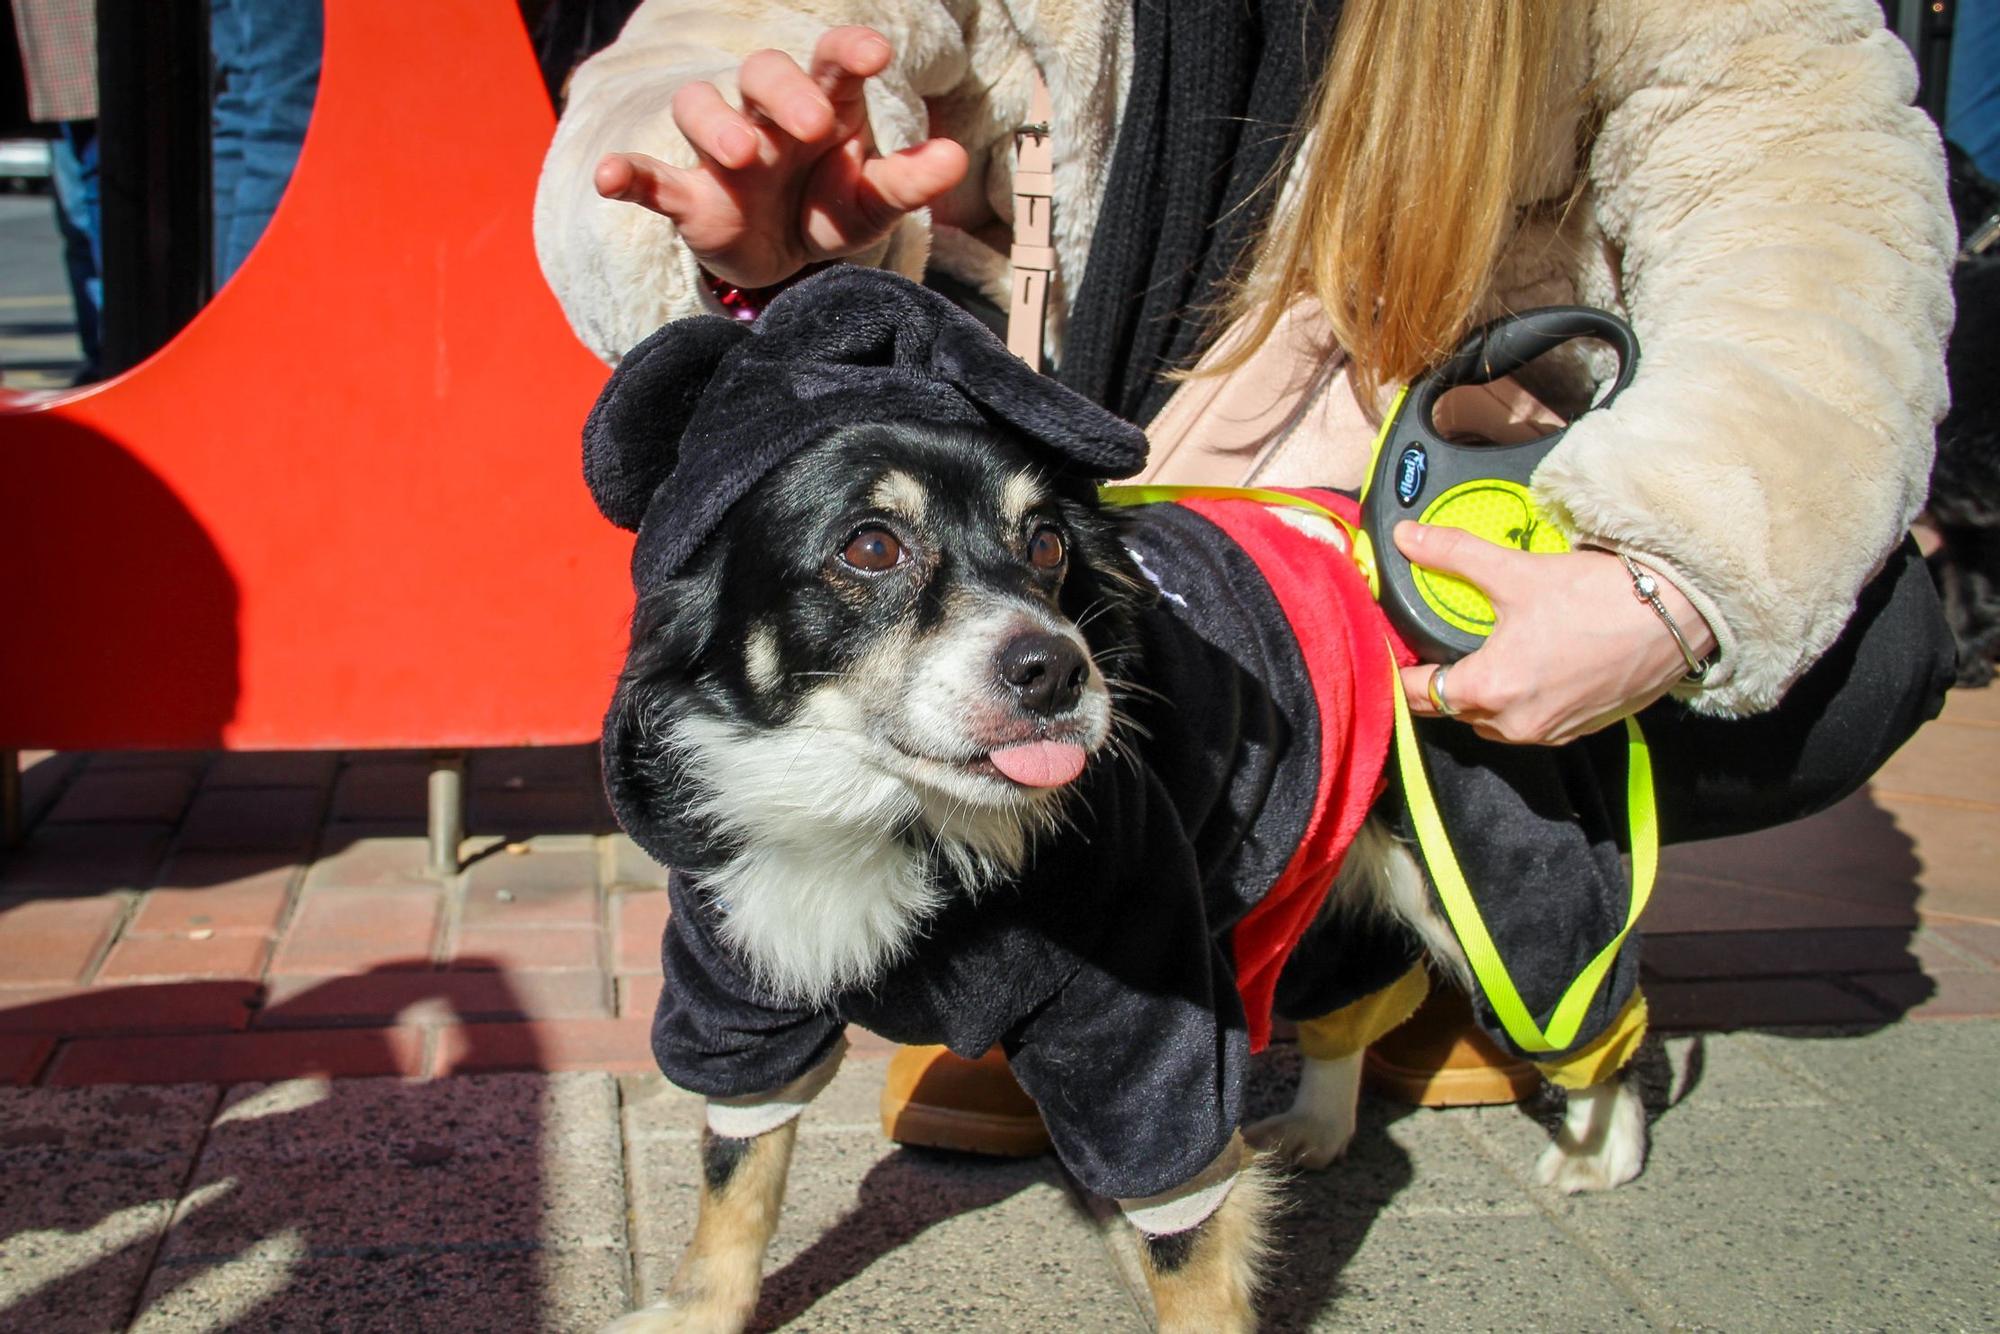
x=1775, y=216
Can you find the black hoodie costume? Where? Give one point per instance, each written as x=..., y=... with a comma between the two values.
x=1109, y=971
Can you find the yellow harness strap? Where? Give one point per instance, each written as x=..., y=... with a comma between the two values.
x=1435, y=845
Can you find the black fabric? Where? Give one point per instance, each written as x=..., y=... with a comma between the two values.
x=1104, y=971
x=697, y=413
x=1538, y=830
x=1217, y=89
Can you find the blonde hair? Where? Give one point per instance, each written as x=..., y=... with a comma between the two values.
x=1424, y=127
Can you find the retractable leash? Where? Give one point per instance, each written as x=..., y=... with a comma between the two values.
x=1481, y=488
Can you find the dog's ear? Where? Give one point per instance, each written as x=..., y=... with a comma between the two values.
x=633, y=435
x=1092, y=439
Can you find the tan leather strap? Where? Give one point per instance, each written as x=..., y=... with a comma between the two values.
x=1034, y=254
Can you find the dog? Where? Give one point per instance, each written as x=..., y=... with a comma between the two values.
x=935, y=741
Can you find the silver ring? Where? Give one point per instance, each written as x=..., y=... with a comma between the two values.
x=1436, y=692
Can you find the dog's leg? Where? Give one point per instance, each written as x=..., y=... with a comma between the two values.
x=1602, y=1141
x=1319, y=1125
x=1204, y=1278
x=715, y=1289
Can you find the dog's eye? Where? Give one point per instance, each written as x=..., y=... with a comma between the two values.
x=1045, y=549
x=874, y=550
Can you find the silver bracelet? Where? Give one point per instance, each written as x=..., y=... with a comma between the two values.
x=1647, y=589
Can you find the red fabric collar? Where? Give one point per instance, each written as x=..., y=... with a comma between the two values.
x=1347, y=646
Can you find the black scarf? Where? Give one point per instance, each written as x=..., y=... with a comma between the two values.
x=1217, y=89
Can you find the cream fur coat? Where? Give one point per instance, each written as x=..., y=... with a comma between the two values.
x=1760, y=200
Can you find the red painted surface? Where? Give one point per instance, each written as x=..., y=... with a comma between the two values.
x=345, y=506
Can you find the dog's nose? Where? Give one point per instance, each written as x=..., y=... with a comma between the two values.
x=1044, y=671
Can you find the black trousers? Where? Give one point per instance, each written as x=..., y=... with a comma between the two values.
x=1539, y=832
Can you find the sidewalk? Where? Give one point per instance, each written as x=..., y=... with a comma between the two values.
x=190, y=945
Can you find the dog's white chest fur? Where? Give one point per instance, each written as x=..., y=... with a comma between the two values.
x=826, y=890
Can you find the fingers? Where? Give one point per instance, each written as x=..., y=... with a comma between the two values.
x=638, y=179
x=716, y=130
x=1487, y=565
x=775, y=88
x=911, y=178
x=844, y=57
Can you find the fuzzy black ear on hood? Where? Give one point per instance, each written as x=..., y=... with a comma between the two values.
x=697, y=414
x=633, y=436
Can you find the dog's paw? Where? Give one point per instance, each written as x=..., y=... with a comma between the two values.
x=1601, y=1144
x=1297, y=1139
x=679, y=1315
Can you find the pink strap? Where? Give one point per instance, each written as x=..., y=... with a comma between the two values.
x=1034, y=254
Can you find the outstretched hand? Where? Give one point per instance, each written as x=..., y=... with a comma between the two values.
x=1573, y=649
x=791, y=178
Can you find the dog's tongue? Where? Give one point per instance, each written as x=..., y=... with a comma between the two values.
x=1040, y=763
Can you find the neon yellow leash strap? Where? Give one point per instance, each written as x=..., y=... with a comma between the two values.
x=1466, y=923
x=1357, y=541
x=1432, y=841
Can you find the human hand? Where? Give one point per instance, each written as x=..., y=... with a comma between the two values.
x=1573, y=650
x=793, y=177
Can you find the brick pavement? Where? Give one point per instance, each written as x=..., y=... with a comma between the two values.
x=179, y=916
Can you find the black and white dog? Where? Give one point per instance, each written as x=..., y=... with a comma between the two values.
x=935, y=743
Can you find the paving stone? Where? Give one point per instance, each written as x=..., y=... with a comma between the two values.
x=1945, y=761
x=522, y=1161
x=630, y=866
x=381, y=1291
x=130, y=796
x=278, y=819
x=619, y=1045
x=44, y=774
x=1978, y=941
x=1381, y=1172
x=1795, y=1219
x=1857, y=851
x=1759, y=1002
x=22, y=1057
x=272, y=768
x=91, y=1176
x=1790, y=953
x=180, y=1006
x=253, y=904
x=877, y=1238
x=1924, y=1084
x=359, y=930
x=1689, y=905
x=639, y=920
x=53, y=940
x=371, y=858
x=1337, y=1271
x=193, y=760
x=527, y=948
x=228, y=1058
x=84, y=859
x=638, y=996
x=147, y=958
x=1937, y=993
x=382, y=791
x=534, y=888
x=435, y=997
x=518, y=767
x=1960, y=849
x=582, y=810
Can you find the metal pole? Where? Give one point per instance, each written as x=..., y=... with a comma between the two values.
x=447, y=812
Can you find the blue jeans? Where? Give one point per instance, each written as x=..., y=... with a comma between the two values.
x=1972, y=102
x=267, y=55
x=79, y=217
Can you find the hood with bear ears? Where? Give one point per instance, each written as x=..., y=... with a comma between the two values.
x=697, y=414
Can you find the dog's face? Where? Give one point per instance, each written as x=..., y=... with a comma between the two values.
x=929, y=599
